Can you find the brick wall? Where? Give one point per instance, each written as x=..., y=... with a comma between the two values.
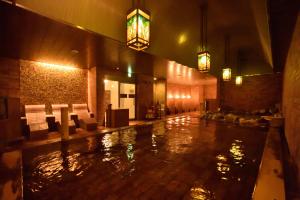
x=291, y=97
x=256, y=92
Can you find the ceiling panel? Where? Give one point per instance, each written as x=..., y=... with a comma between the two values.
x=175, y=25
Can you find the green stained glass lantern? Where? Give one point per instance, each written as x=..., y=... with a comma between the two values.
x=204, y=61
x=138, y=29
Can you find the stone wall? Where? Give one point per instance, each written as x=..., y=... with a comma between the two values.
x=291, y=97
x=41, y=84
x=256, y=92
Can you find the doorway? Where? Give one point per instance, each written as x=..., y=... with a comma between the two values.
x=120, y=95
x=127, y=98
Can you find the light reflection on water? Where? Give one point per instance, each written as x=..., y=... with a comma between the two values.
x=120, y=153
x=51, y=166
x=110, y=140
x=237, y=151
x=222, y=166
x=200, y=193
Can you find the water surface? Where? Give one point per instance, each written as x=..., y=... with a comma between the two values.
x=182, y=158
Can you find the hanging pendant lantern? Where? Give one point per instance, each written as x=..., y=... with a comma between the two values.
x=239, y=77
x=226, y=74
x=203, y=56
x=227, y=71
x=204, y=61
x=238, y=80
x=138, y=29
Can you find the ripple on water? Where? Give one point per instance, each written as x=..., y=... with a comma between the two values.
x=200, y=192
x=214, y=155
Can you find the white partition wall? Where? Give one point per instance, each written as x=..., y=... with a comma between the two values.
x=127, y=98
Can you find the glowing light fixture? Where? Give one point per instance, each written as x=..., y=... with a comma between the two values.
x=183, y=96
x=203, y=55
x=204, y=61
x=189, y=96
x=129, y=72
x=238, y=80
x=105, y=81
x=239, y=77
x=226, y=74
x=177, y=97
x=170, y=96
x=138, y=29
x=55, y=66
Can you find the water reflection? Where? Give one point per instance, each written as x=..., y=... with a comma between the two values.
x=128, y=136
x=179, y=150
x=48, y=167
x=201, y=193
x=180, y=142
x=130, y=152
x=113, y=144
x=110, y=140
x=223, y=166
x=237, y=151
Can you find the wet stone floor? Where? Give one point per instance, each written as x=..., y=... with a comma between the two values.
x=182, y=158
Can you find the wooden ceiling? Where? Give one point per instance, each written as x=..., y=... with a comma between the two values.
x=26, y=35
x=31, y=36
x=175, y=27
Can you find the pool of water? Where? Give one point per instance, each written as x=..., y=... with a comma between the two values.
x=182, y=158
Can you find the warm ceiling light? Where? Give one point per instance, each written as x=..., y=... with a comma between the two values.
x=204, y=61
x=177, y=97
x=138, y=29
x=182, y=39
x=170, y=96
x=105, y=81
x=55, y=66
x=189, y=96
x=226, y=74
x=154, y=78
x=183, y=96
x=238, y=80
